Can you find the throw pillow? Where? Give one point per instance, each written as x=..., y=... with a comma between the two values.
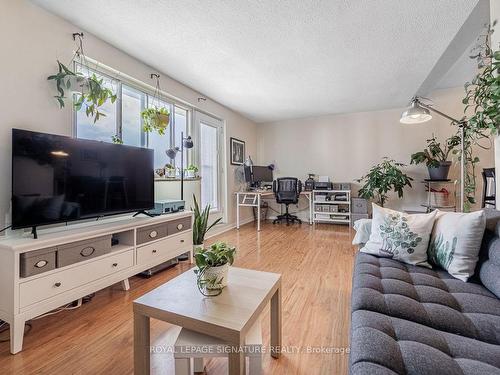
x=455, y=242
x=400, y=236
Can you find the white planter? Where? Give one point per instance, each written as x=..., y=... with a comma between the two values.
x=219, y=273
x=190, y=174
x=197, y=247
x=170, y=173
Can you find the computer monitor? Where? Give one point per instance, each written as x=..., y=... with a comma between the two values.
x=262, y=174
x=248, y=174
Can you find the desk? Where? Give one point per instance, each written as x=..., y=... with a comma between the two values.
x=253, y=199
x=228, y=316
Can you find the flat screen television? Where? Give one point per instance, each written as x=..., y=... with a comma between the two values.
x=60, y=179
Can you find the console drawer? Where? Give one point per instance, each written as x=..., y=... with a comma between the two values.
x=165, y=249
x=51, y=285
x=82, y=250
x=179, y=225
x=151, y=232
x=35, y=262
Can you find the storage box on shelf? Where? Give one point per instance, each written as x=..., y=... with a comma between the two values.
x=65, y=264
x=332, y=206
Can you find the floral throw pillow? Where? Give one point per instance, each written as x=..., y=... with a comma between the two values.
x=400, y=236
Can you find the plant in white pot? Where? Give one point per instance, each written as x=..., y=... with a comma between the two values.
x=191, y=171
x=200, y=224
x=170, y=170
x=213, y=267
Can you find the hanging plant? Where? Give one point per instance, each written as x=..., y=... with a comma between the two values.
x=89, y=91
x=157, y=117
x=482, y=95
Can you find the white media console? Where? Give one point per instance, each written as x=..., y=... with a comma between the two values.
x=68, y=263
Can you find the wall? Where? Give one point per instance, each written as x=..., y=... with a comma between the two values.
x=32, y=39
x=346, y=146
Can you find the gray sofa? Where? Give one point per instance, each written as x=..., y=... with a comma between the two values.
x=413, y=320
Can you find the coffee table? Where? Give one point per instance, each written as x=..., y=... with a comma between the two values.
x=228, y=316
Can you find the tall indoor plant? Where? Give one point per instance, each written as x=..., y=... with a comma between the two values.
x=436, y=156
x=200, y=224
x=382, y=178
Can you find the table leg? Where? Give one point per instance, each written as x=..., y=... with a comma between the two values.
x=276, y=323
x=141, y=344
x=258, y=211
x=236, y=363
x=237, y=210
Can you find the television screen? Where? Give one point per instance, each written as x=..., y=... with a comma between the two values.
x=58, y=179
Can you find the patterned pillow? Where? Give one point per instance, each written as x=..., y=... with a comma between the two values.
x=400, y=236
x=455, y=242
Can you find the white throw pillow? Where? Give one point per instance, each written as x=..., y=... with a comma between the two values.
x=400, y=236
x=456, y=241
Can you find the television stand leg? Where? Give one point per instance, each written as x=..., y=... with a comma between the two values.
x=34, y=233
x=144, y=213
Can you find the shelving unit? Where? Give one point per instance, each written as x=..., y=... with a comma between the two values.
x=328, y=208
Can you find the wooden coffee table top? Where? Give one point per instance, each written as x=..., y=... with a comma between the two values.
x=228, y=316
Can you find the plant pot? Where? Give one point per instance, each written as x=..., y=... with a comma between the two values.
x=170, y=173
x=441, y=172
x=190, y=174
x=198, y=247
x=162, y=119
x=218, y=273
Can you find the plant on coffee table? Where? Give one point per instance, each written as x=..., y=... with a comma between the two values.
x=200, y=224
x=213, y=265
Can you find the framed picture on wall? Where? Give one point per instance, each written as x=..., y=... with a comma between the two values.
x=237, y=151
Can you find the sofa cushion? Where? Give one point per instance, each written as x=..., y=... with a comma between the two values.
x=488, y=267
x=428, y=297
x=386, y=345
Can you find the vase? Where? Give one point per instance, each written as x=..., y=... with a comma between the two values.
x=218, y=273
x=441, y=172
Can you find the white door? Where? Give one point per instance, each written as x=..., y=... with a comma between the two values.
x=210, y=153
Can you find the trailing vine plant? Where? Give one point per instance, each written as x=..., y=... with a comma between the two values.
x=482, y=96
x=87, y=91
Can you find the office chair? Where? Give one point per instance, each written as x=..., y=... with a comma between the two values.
x=287, y=191
x=489, y=188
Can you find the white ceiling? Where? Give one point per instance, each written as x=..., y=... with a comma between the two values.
x=273, y=60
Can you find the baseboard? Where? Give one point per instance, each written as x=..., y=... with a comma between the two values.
x=227, y=227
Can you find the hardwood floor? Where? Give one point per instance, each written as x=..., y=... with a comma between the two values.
x=316, y=265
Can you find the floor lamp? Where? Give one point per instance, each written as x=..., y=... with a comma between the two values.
x=419, y=112
x=172, y=153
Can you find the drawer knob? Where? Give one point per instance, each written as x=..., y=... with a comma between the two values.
x=153, y=234
x=182, y=240
x=88, y=251
x=180, y=226
x=115, y=264
x=57, y=285
x=41, y=263
x=154, y=251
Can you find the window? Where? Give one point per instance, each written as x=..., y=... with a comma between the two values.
x=133, y=103
x=123, y=120
x=105, y=128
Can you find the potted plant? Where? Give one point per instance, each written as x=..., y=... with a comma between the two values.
x=91, y=92
x=212, y=268
x=435, y=157
x=170, y=170
x=191, y=171
x=155, y=119
x=382, y=178
x=200, y=224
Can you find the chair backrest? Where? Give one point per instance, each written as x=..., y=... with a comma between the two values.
x=287, y=190
x=488, y=187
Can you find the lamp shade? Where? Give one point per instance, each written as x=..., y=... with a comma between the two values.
x=188, y=142
x=415, y=114
x=172, y=152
